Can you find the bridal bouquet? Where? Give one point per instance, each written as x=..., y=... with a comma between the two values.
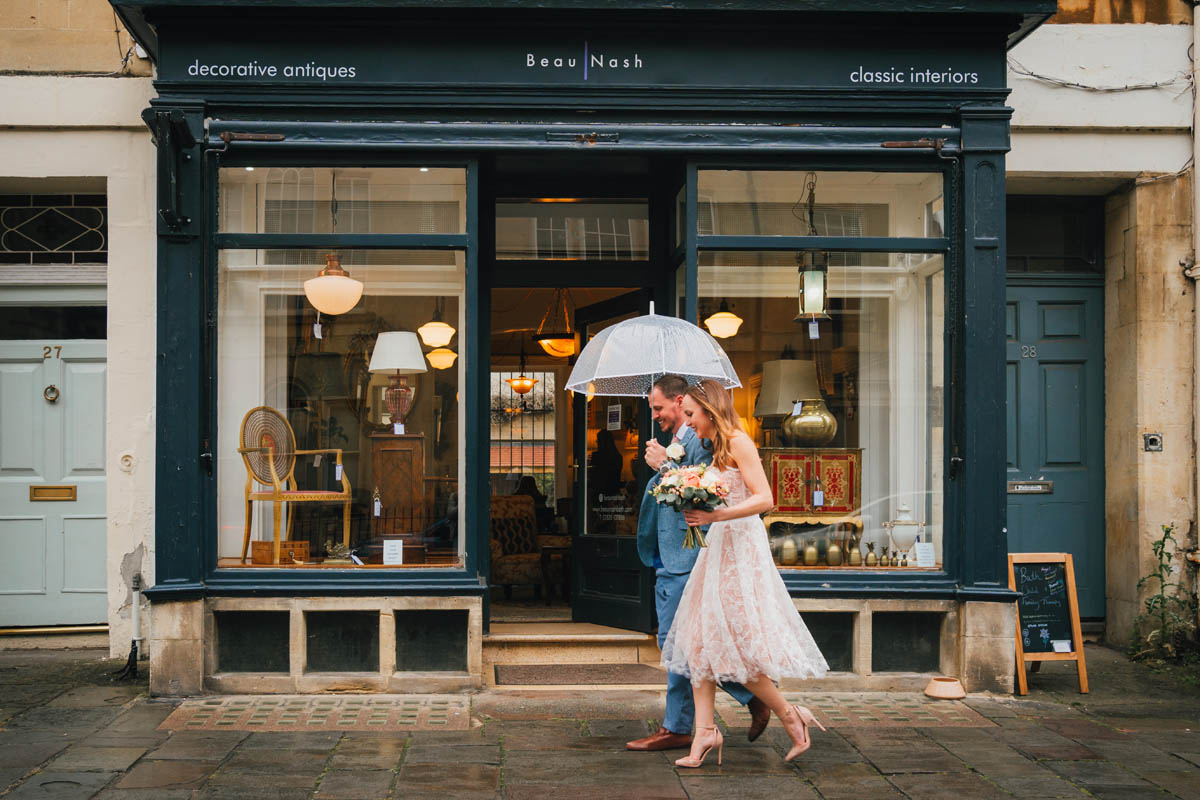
x=695, y=488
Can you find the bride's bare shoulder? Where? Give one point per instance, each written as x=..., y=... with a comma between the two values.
x=743, y=446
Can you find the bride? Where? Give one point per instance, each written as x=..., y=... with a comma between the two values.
x=736, y=621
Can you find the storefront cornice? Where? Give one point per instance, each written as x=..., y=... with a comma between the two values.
x=381, y=136
x=1017, y=18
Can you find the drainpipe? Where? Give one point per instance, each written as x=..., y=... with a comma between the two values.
x=1191, y=270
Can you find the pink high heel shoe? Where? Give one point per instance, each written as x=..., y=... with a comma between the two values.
x=796, y=724
x=716, y=740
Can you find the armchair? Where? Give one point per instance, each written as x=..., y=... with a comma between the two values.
x=516, y=546
x=268, y=448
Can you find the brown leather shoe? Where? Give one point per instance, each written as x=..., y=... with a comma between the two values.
x=760, y=715
x=662, y=739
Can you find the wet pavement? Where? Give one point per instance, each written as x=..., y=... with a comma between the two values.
x=68, y=731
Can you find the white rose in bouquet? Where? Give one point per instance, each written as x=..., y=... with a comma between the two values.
x=709, y=479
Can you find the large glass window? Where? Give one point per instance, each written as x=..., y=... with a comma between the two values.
x=340, y=431
x=772, y=203
x=846, y=406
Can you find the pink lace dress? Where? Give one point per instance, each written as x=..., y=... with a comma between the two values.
x=735, y=619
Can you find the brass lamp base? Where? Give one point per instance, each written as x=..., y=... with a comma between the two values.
x=813, y=426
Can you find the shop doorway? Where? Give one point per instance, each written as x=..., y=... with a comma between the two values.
x=566, y=473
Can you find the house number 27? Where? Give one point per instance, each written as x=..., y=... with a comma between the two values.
x=1028, y=351
x=52, y=351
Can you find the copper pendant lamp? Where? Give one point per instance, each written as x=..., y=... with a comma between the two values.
x=554, y=334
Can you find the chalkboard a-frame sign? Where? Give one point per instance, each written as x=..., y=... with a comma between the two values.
x=1047, y=613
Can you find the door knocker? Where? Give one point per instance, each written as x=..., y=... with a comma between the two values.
x=51, y=393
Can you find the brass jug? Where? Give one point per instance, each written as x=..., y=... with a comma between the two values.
x=810, y=425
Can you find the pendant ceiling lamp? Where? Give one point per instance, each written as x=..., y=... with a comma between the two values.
x=441, y=358
x=522, y=384
x=555, y=334
x=724, y=323
x=436, y=333
x=333, y=291
x=813, y=265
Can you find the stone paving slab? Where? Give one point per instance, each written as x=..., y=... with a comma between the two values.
x=277, y=713
x=871, y=710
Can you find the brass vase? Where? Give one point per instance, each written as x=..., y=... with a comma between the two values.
x=855, y=559
x=872, y=559
x=787, y=552
x=811, y=557
x=833, y=555
x=810, y=425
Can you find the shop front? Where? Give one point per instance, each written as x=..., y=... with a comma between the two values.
x=385, y=231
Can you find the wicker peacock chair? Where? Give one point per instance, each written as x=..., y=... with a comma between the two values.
x=269, y=451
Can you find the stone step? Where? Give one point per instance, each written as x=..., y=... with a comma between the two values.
x=566, y=643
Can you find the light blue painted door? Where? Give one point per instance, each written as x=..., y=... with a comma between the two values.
x=52, y=552
x=1055, y=368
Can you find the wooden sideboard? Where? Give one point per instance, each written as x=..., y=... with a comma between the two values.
x=794, y=474
x=398, y=473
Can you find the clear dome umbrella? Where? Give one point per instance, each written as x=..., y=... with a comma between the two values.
x=626, y=359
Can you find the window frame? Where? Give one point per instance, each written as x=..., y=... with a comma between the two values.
x=839, y=580
x=461, y=579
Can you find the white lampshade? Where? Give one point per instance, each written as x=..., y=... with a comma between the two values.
x=724, y=323
x=784, y=382
x=441, y=358
x=397, y=353
x=333, y=291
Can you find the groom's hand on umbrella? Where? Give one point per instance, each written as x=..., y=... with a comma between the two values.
x=656, y=454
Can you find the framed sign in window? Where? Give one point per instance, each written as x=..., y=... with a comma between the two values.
x=1047, y=613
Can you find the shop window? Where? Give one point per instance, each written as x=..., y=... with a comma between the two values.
x=569, y=228
x=252, y=641
x=53, y=229
x=358, y=413
x=342, y=641
x=906, y=641
x=860, y=489
x=341, y=200
x=773, y=203
x=428, y=641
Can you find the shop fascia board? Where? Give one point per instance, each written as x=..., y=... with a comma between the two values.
x=259, y=582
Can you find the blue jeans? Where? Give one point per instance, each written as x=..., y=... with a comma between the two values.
x=681, y=709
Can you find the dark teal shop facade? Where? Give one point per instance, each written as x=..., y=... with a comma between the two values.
x=660, y=95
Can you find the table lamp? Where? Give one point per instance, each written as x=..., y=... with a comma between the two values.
x=398, y=355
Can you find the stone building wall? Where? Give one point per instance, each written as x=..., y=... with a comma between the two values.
x=1149, y=316
x=65, y=36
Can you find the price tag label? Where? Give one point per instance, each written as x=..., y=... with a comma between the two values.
x=337, y=472
x=925, y=554
x=317, y=331
x=317, y=460
x=814, y=331
x=398, y=428
x=1061, y=645
x=818, y=498
x=356, y=559
x=378, y=507
x=393, y=551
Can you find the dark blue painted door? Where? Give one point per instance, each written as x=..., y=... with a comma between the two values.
x=1055, y=368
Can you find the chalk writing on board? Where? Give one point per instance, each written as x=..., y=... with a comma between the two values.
x=1045, y=614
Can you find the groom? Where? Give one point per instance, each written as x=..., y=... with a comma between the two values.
x=660, y=545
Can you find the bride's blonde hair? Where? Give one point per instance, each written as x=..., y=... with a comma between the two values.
x=715, y=401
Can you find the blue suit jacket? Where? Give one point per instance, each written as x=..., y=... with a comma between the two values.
x=665, y=527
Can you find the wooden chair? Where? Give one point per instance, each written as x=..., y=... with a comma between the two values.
x=268, y=447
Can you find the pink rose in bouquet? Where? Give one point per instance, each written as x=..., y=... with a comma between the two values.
x=694, y=488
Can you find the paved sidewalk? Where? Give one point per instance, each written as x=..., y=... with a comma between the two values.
x=68, y=732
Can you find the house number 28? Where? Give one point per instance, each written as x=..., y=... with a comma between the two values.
x=1028, y=351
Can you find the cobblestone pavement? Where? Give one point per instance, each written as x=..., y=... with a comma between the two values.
x=67, y=731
